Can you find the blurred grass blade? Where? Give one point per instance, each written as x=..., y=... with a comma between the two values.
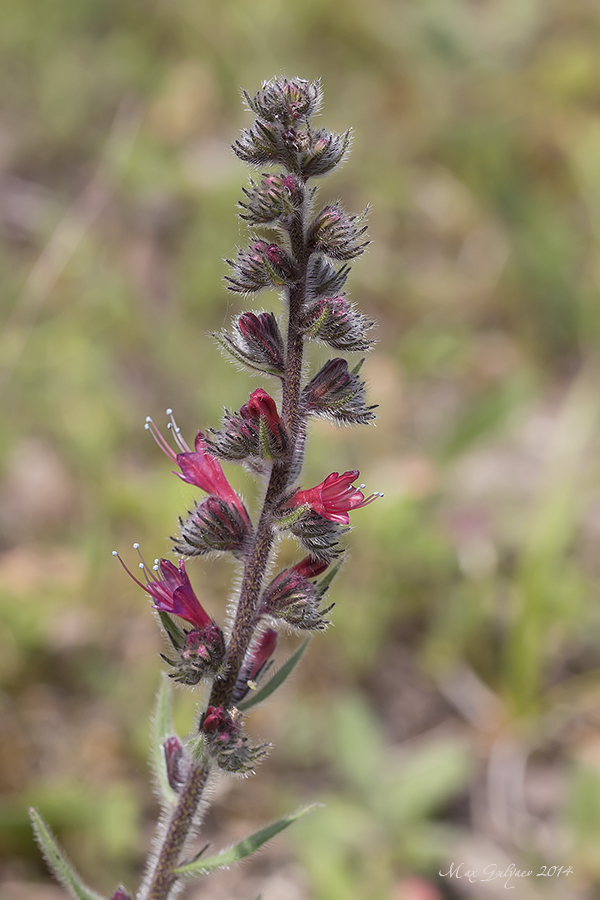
x=277, y=679
x=245, y=848
x=162, y=728
x=57, y=862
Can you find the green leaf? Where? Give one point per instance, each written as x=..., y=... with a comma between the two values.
x=245, y=848
x=277, y=679
x=162, y=728
x=323, y=585
x=57, y=862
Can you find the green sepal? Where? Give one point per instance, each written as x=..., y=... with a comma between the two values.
x=358, y=366
x=278, y=678
x=162, y=728
x=292, y=517
x=315, y=328
x=245, y=848
x=175, y=634
x=197, y=749
x=263, y=440
x=57, y=862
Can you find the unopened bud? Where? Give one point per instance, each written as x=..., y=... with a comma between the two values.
x=336, y=234
x=213, y=525
x=174, y=758
x=338, y=393
x=226, y=743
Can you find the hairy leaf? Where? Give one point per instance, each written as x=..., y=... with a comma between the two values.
x=57, y=861
x=245, y=848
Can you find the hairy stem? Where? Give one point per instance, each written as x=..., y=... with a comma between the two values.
x=177, y=833
x=246, y=619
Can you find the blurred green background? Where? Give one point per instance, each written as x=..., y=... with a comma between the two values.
x=453, y=712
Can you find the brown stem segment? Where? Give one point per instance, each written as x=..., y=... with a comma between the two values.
x=177, y=832
x=246, y=619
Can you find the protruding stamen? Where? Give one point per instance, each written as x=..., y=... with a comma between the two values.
x=164, y=446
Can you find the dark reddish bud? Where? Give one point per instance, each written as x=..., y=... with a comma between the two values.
x=337, y=393
x=200, y=653
x=256, y=341
x=256, y=431
x=293, y=599
x=121, y=894
x=256, y=664
x=213, y=525
x=310, y=568
x=174, y=761
x=226, y=743
x=334, y=321
x=336, y=234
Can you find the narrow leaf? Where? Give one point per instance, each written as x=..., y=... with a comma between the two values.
x=162, y=728
x=62, y=870
x=245, y=848
x=277, y=679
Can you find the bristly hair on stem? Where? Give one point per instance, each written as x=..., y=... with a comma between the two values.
x=269, y=439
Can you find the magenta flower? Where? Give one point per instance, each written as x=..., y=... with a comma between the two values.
x=198, y=467
x=334, y=498
x=309, y=567
x=171, y=590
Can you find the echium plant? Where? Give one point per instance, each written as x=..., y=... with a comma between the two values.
x=268, y=436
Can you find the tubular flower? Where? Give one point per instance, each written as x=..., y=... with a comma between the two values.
x=334, y=498
x=171, y=590
x=198, y=467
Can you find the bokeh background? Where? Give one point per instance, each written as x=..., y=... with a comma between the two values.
x=453, y=712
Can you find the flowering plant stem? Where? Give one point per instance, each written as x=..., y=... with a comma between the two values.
x=272, y=447
x=245, y=619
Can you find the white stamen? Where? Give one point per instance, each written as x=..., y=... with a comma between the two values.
x=140, y=565
x=169, y=412
x=361, y=487
x=155, y=568
x=147, y=426
x=136, y=546
x=115, y=553
x=148, y=418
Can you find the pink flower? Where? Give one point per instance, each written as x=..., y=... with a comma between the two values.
x=334, y=498
x=171, y=591
x=198, y=467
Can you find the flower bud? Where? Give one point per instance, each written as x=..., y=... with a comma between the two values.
x=334, y=321
x=336, y=234
x=256, y=431
x=259, y=266
x=175, y=762
x=325, y=151
x=256, y=341
x=322, y=279
x=213, y=525
x=337, y=393
x=273, y=198
x=225, y=742
x=293, y=599
x=200, y=654
x=285, y=100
